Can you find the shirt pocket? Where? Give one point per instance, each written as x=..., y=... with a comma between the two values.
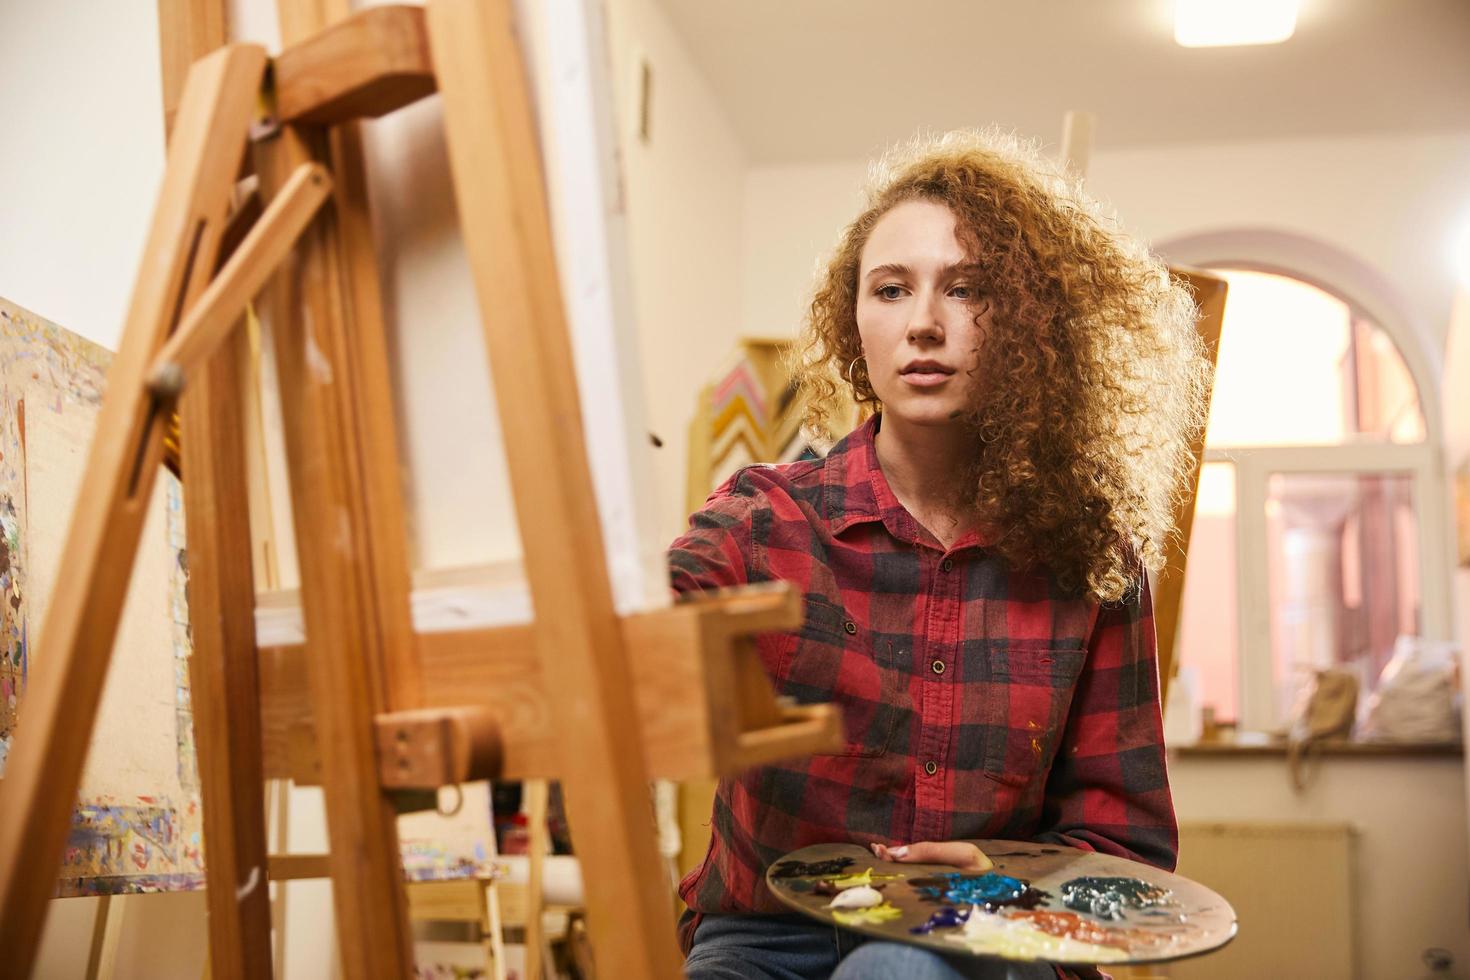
x=1026, y=706
x=833, y=659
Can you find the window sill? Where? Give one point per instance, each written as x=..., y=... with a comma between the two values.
x=1265, y=745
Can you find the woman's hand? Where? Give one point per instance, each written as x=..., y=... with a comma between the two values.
x=962, y=854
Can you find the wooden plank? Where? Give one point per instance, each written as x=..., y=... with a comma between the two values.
x=1209, y=293
x=494, y=667
x=347, y=507
x=432, y=747
x=459, y=900
x=217, y=312
x=500, y=668
x=296, y=867
x=804, y=730
x=187, y=31
x=75, y=641
x=364, y=385
x=495, y=163
x=308, y=314
x=373, y=62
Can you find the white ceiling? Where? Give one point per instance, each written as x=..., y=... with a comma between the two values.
x=836, y=79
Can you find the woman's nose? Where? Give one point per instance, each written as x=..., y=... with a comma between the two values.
x=924, y=324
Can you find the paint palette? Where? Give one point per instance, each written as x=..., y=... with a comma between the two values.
x=1041, y=902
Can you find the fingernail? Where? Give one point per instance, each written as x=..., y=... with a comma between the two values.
x=899, y=852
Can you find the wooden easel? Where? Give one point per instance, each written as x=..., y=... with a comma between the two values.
x=383, y=714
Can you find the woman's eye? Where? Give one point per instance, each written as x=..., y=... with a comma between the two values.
x=890, y=291
x=962, y=292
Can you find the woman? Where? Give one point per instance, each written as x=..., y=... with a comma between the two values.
x=972, y=556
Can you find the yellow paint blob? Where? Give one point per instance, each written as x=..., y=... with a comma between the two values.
x=869, y=916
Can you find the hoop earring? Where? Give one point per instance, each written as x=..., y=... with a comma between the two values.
x=850, y=366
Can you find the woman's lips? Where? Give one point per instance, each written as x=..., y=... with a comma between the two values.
x=923, y=372
x=926, y=379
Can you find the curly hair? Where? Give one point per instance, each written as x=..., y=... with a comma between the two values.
x=1095, y=378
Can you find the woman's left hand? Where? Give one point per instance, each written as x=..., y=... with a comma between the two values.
x=961, y=854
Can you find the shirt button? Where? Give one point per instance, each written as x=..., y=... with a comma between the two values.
x=930, y=768
x=947, y=564
x=850, y=627
x=938, y=666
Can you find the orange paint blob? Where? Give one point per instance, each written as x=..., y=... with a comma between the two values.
x=1070, y=925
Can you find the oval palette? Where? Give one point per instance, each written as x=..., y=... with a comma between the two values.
x=1040, y=903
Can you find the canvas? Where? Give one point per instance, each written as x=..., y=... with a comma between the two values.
x=137, y=824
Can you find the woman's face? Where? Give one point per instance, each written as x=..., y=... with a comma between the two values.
x=916, y=315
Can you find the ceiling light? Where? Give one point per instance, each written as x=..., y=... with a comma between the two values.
x=1217, y=23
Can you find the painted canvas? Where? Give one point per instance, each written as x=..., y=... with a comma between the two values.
x=137, y=825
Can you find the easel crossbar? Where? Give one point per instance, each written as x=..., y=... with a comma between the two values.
x=693, y=721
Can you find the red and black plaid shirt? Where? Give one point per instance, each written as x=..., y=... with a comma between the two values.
x=978, y=701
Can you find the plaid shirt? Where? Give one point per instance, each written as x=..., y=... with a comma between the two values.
x=978, y=701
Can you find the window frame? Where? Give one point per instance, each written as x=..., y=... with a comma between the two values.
x=1254, y=466
x=1314, y=263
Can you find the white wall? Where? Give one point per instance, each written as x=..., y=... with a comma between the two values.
x=793, y=217
x=685, y=206
x=82, y=109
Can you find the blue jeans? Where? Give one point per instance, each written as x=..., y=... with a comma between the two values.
x=781, y=947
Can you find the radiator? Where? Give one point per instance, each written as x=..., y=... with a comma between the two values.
x=1302, y=929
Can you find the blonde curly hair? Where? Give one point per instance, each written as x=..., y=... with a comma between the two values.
x=1096, y=382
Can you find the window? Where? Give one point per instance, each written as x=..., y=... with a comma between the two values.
x=1309, y=547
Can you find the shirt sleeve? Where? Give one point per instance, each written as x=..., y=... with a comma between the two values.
x=715, y=553
x=1108, y=789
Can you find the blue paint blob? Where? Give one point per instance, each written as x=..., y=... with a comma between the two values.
x=946, y=918
x=963, y=889
x=1109, y=898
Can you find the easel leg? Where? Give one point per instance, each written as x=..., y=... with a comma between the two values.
x=494, y=925
x=106, y=934
x=537, y=962
x=224, y=663
x=225, y=667
x=503, y=213
x=75, y=642
x=278, y=796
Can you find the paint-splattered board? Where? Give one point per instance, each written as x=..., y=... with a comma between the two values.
x=137, y=825
x=1169, y=918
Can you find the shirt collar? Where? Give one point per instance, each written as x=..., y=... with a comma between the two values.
x=855, y=491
